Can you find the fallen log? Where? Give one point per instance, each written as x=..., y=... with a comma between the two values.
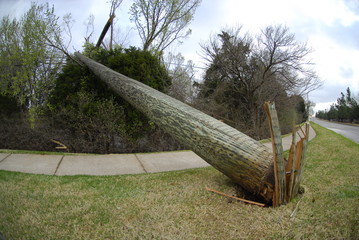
x=244, y=160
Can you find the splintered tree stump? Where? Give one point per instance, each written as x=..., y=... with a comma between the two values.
x=244, y=160
x=287, y=174
x=279, y=165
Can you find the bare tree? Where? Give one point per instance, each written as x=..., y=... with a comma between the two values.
x=182, y=75
x=109, y=24
x=244, y=72
x=89, y=28
x=281, y=55
x=114, y=5
x=52, y=32
x=160, y=23
x=121, y=37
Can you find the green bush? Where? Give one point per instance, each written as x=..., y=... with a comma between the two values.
x=134, y=63
x=90, y=125
x=95, y=116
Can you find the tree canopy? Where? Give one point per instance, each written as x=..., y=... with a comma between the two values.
x=244, y=72
x=32, y=52
x=160, y=23
x=345, y=109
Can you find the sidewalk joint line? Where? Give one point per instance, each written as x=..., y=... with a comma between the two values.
x=58, y=165
x=5, y=157
x=143, y=167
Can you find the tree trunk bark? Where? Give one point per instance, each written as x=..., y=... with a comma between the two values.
x=104, y=31
x=244, y=160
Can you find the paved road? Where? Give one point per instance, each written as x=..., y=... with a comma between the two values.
x=348, y=131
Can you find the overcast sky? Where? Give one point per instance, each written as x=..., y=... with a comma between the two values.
x=330, y=28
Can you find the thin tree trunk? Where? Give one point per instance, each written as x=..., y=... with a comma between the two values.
x=104, y=31
x=241, y=158
x=111, y=35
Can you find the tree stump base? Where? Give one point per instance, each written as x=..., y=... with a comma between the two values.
x=288, y=173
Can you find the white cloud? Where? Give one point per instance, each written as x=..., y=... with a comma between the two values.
x=256, y=14
x=327, y=12
x=331, y=58
x=15, y=9
x=323, y=106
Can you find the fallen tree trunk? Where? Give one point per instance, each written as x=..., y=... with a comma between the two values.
x=243, y=159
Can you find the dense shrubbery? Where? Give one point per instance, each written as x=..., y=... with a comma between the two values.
x=16, y=132
x=86, y=116
x=345, y=110
x=96, y=118
x=134, y=63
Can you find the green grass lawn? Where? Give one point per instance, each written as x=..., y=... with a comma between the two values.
x=175, y=205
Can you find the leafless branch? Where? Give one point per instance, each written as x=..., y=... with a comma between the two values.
x=160, y=23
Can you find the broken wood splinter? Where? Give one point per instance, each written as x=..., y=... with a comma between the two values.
x=236, y=198
x=61, y=147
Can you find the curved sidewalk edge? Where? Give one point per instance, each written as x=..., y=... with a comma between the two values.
x=111, y=164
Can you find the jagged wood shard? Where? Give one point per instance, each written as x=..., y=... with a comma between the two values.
x=243, y=159
x=278, y=159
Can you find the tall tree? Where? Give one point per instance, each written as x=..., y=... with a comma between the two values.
x=342, y=107
x=89, y=28
x=345, y=109
x=161, y=22
x=282, y=56
x=246, y=71
x=114, y=5
x=347, y=106
x=109, y=24
x=182, y=75
x=32, y=52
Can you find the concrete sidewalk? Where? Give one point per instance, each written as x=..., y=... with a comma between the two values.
x=112, y=164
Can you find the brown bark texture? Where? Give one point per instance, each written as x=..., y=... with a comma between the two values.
x=278, y=159
x=104, y=31
x=244, y=160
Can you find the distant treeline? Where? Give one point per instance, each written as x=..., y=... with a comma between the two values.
x=346, y=109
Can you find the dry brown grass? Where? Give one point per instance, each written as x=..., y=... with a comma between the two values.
x=175, y=205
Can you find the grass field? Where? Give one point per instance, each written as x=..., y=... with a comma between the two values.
x=175, y=205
